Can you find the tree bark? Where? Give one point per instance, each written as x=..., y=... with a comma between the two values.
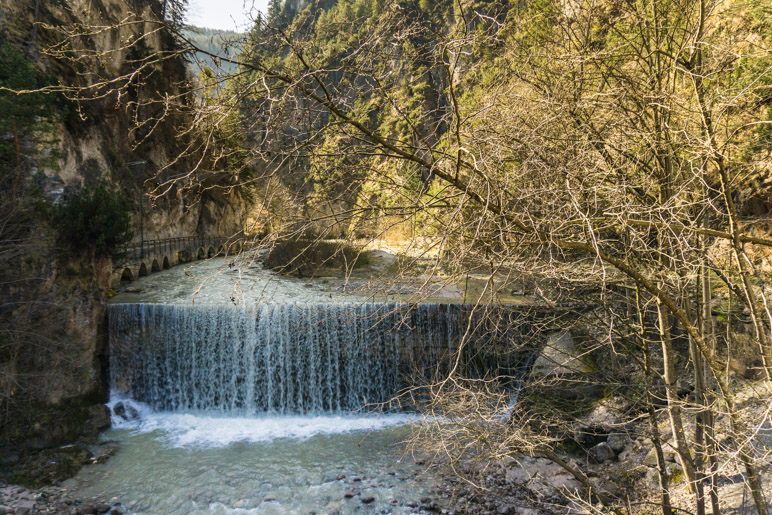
x=664, y=488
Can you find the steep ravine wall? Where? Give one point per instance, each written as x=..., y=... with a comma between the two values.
x=94, y=145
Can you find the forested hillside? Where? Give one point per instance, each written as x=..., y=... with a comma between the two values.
x=214, y=43
x=616, y=152
x=426, y=77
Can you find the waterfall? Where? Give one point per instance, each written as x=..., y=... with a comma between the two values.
x=287, y=358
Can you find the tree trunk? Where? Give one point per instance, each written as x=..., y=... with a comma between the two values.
x=664, y=488
x=673, y=402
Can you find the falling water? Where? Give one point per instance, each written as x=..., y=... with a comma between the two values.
x=276, y=358
x=248, y=409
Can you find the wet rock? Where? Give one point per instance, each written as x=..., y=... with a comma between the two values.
x=50, y=466
x=102, y=508
x=105, y=451
x=37, y=444
x=348, y=494
x=601, y=452
x=340, y=476
x=117, y=510
x=125, y=411
x=368, y=499
x=96, y=419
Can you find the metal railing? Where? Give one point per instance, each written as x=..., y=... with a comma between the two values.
x=167, y=246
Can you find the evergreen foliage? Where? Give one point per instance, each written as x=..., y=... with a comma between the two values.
x=223, y=43
x=97, y=219
x=173, y=12
x=21, y=116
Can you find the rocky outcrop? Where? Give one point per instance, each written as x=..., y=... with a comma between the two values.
x=53, y=383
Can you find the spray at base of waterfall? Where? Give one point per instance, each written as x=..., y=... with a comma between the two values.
x=207, y=430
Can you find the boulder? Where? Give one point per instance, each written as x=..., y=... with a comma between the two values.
x=50, y=465
x=610, y=414
x=602, y=452
x=125, y=411
x=674, y=473
x=96, y=418
x=617, y=442
x=651, y=457
x=559, y=357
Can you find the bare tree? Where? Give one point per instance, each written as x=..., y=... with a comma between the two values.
x=595, y=144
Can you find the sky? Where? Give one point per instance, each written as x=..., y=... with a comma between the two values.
x=225, y=14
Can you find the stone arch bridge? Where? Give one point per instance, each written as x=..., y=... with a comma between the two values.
x=156, y=255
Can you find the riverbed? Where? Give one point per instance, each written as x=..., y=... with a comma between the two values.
x=175, y=463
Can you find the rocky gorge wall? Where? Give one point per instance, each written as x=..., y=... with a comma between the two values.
x=53, y=367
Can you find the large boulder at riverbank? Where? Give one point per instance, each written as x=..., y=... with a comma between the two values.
x=560, y=356
x=48, y=466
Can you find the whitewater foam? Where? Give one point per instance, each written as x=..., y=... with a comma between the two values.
x=203, y=430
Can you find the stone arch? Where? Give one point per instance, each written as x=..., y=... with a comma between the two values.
x=127, y=275
x=221, y=250
x=142, y=270
x=155, y=267
x=200, y=254
x=183, y=256
x=210, y=252
x=165, y=263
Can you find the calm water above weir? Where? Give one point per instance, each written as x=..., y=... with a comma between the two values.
x=239, y=280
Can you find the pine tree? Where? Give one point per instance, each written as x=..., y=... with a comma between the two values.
x=274, y=10
x=174, y=12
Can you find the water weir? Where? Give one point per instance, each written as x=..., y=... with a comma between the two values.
x=291, y=358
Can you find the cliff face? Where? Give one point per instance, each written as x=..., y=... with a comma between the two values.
x=52, y=381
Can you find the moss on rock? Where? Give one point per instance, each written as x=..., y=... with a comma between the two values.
x=48, y=466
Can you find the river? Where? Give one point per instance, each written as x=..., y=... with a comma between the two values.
x=232, y=452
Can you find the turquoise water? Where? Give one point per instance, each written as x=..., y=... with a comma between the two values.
x=175, y=463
